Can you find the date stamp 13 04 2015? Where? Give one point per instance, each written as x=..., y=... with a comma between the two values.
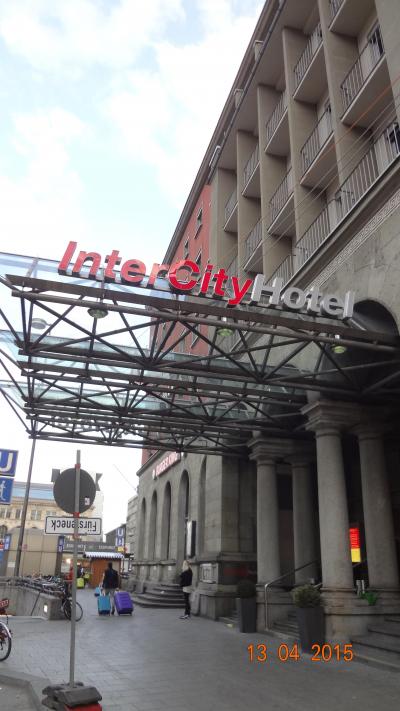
x=259, y=653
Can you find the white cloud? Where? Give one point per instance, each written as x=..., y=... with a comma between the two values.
x=42, y=207
x=68, y=35
x=165, y=117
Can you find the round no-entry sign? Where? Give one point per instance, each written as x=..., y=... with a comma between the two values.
x=64, y=491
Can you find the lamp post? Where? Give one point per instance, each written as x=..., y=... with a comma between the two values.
x=25, y=506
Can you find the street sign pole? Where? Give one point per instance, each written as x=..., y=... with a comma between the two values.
x=25, y=507
x=75, y=564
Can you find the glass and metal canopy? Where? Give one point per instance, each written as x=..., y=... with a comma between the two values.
x=131, y=378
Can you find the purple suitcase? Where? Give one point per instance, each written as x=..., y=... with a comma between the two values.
x=123, y=603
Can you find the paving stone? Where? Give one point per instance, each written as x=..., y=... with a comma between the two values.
x=152, y=661
x=13, y=698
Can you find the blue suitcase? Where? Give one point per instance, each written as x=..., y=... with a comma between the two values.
x=123, y=603
x=103, y=605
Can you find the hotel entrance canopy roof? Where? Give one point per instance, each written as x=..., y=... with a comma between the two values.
x=121, y=380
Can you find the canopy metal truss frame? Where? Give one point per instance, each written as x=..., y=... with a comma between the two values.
x=89, y=389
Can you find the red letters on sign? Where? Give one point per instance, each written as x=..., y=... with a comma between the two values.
x=68, y=254
x=175, y=282
x=133, y=271
x=112, y=260
x=82, y=257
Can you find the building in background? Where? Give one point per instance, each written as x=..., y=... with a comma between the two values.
x=117, y=537
x=41, y=504
x=302, y=176
x=190, y=241
x=131, y=526
x=39, y=550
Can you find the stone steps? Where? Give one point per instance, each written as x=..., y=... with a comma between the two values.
x=160, y=596
x=381, y=645
x=230, y=620
x=147, y=601
x=288, y=626
x=291, y=630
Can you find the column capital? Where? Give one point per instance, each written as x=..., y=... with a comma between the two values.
x=373, y=423
x=330, y=417
x=269, y=450
x=369, y=430
x=301, y=454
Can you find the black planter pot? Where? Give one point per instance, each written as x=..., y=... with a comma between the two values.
x=247, y=614
x=311, y=626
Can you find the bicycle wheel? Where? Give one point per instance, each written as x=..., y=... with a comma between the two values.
x=67, y=609
x=5, y=644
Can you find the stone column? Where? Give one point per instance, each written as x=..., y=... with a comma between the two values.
x=325, y=419
x=266, y=454
x=378, y=517
x=304, y=528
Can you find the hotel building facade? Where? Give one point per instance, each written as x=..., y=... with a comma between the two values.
x=301, y=182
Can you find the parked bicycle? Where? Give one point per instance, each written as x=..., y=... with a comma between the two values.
x=66, y=604
x=5, y=632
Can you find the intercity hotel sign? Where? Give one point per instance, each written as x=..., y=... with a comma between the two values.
x=186, y=277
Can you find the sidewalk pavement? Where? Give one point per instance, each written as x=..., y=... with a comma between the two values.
x=153, y=661
x=13, y=698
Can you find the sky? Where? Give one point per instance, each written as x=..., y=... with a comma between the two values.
x=106, y=110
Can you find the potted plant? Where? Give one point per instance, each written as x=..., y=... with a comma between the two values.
x=246, y=605
x=370, y=596
x=310, y=616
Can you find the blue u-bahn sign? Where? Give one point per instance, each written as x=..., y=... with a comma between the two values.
x=6, y=487
x=8, y=462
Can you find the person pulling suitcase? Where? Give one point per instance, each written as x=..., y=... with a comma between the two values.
x=110, y=584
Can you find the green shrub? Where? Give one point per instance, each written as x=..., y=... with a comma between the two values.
x=370, y=597
x=306, y=596
x=246, y=588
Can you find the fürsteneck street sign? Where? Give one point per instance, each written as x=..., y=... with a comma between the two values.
x=65, y=525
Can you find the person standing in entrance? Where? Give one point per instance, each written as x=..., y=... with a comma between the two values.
x=185, y=581
x=110, y=584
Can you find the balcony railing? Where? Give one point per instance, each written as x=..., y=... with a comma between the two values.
x=362, y=68
x=281, y=195
x=276, y=116
x=381, y=155
x=335, y=7
x=251, y=165
x=232, y=270
x=230, y=205
x=316, y=139
x=284, y=271
x=313, y=237
x=253, y=239
x=307, y=56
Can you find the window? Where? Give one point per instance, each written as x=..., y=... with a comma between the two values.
x=18, y=513
x=199, y=221
x=186, y=249
x=36, y=515
x=198, y=259
x=51, y=513
x=2, y=513
x=9, y=513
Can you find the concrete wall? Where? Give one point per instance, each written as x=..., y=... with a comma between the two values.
x=25, y=601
